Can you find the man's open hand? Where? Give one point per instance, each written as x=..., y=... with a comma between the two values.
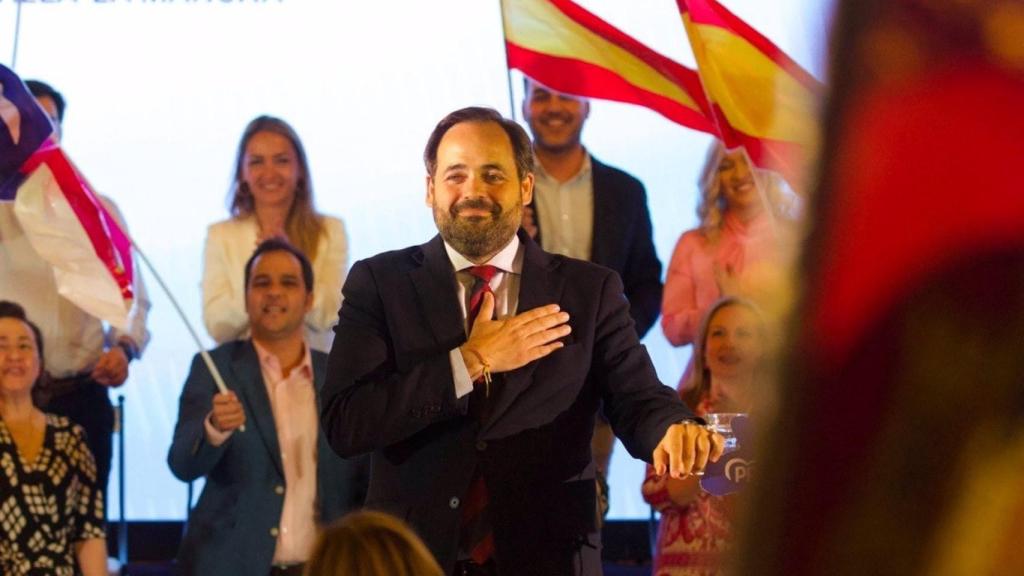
x=514, y=341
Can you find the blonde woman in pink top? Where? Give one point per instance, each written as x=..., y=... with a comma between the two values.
x=737, y=249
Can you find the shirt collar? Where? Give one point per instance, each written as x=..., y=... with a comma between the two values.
x=585, y=169
x=505, y=260
x=269, y=362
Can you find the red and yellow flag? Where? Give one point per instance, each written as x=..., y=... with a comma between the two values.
x=759, y=97
x=565, y=47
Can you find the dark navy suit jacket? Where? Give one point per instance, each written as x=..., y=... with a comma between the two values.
x=390, y=390
x=233, y=527
x=623, y=240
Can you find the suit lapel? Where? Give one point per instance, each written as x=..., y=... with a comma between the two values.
x=323, y=449
x=604, y=211
x=434, y=282
x=537, y=287
x=248, y=383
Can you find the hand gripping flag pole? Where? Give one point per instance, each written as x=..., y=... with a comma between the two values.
x=217, y=379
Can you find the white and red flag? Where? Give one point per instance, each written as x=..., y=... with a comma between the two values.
x=60, y=214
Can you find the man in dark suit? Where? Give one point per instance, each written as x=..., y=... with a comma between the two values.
x=270, y=484
x=588, y=210
x=480, y=429
x=592, y=211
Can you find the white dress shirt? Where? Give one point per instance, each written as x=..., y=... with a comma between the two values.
x=565, y=211
x=73, y=340
x=504, y=285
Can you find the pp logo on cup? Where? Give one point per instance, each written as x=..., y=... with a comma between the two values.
x=734, y=469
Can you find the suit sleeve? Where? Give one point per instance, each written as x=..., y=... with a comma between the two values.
x=191, y=456
x=371, y=400
x=639, y=407
x=331, y=263
x=223, y=309
x=680, y=307
x=642, y=274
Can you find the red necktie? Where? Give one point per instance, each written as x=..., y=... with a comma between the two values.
x=483, y=275
x=477, y=538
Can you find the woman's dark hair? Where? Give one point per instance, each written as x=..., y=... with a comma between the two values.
x=14, y=310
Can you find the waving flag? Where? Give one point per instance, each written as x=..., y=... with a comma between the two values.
x=62, y=217
x=759, y=97
x=26, y=127
x=563, y=46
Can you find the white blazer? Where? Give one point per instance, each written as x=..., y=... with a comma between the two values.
x=230, y=243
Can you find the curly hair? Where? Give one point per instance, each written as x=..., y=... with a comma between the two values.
x=712, y=205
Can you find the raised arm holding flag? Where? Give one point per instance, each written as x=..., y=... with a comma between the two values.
x=66, y=257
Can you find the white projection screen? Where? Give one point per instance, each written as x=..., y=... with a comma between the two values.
x=159, y=91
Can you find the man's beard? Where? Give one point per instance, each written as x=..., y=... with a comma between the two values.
x=478, y=236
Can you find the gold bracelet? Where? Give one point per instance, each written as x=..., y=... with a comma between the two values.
x=487, y=371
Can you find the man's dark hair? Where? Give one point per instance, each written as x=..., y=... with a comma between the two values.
x=521, y=146
x=14, y=310
x=38, y=88
x=280, y=245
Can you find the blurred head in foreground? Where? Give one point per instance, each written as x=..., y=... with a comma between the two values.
x=902, y=433
x=369, y=543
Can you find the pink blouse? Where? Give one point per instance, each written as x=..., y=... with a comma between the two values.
x=744, y=252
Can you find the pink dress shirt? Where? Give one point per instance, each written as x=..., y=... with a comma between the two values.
x=293, y=402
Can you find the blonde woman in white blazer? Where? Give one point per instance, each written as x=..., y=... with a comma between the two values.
x=272, y=196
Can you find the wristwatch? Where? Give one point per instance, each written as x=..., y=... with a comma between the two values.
x=130, y=350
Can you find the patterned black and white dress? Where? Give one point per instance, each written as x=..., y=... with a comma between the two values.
x=49, y=504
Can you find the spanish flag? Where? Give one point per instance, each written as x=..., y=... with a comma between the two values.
x=759, y=97
x=564, y=47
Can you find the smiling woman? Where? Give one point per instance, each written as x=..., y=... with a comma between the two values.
x=272, y=197
x=740, y=248
x=695, y=535
x=46, y=460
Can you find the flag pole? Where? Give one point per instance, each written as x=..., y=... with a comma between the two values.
x=195, y=336
x=508, y=71
x=17, y=36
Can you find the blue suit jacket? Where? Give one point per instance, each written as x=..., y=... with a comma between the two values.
x=390, y=390
x=230, y=530
x=623, y=241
